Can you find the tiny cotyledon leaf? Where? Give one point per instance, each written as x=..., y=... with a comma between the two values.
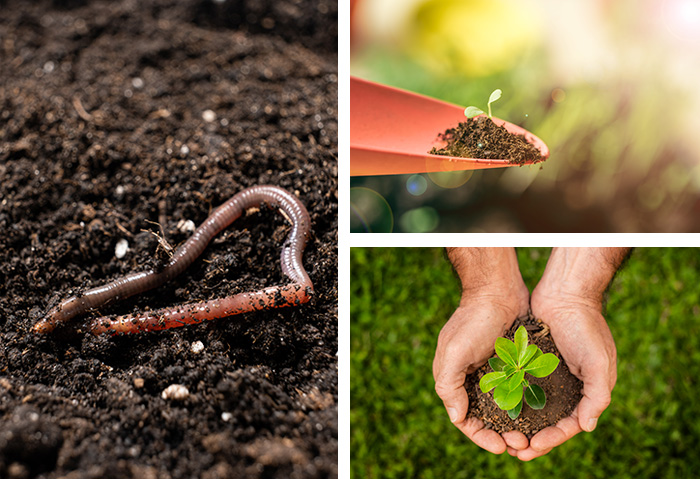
x=472, y=111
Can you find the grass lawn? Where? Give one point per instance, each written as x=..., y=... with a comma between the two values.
x=401, y=297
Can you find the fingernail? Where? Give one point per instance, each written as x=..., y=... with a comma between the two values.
x=454, y=416
x=592, y=424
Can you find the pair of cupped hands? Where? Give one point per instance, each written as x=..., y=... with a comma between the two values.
x=568, y=299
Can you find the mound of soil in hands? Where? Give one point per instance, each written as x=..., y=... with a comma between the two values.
x=562, y=389
x=121, y=121
x=480, y=137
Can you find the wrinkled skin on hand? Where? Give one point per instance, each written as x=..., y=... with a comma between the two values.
x=568, y=299
x=465, y=344
x=586, y=344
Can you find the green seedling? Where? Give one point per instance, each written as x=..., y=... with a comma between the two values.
x=513, y=360
x=472, y=111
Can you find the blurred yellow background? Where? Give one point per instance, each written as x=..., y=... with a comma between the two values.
x=610, y=86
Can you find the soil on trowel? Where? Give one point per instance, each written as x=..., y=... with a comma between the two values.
x=562, y=389
x=480, y=137
x=122, y=125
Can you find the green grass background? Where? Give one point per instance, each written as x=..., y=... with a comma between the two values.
x=400, y=299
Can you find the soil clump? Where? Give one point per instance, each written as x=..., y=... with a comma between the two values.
x=562, y=389
x=480, y=137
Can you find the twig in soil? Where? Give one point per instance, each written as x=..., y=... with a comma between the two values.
x=297, y=292
x=162, y=242
x=543, y=332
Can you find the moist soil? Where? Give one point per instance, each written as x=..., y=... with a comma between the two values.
x=480, y=137
x=123, y=121
x=562, y=389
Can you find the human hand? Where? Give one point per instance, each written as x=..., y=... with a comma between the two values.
x=573, y=314
x=486, y=311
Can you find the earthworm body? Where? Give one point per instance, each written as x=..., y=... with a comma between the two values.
x=298, y=291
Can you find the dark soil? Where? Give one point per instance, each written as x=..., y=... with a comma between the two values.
x=104, y=136
x=480, y=137
x=562, y=389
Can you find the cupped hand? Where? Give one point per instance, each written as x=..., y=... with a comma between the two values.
x=586, y=344
x=465, y=343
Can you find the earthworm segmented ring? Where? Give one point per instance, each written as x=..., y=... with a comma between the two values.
x=297, y=292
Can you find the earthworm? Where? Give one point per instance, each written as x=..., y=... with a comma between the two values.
x=297, y=292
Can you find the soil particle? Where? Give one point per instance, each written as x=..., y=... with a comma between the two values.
x=562, y=390
x=480, y=137
x=29, y=441
x=119, y=121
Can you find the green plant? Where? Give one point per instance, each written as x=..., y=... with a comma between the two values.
x=508, y=378
x=472, y=111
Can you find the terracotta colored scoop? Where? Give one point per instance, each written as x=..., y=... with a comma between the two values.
x=392, y=130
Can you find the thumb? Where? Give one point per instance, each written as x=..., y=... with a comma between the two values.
x=596, y=398
x=454, y=397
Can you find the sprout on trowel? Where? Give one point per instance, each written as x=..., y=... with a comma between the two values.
x=472, y=111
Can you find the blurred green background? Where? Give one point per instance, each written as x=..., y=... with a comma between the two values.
x=610, y=86
x=400, y=299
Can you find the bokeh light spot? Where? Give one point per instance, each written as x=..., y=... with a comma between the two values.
x=419, y=220
x=650, y=195
x=451, y=179
x=558, y=95
x=369, y=212
x=682, y=18
x=416, y=185
x=446, y=35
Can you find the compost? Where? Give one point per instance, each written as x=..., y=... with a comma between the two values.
x=122, y=125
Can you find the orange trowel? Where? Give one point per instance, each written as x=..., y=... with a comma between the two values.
x=392, y=130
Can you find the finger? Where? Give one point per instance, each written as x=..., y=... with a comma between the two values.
x=596, y=398
x=512, y=452
x=529, y=454
x=449, y=385
x=454, y=397
x=553, y=436
x=516, y=440
x=484, y=438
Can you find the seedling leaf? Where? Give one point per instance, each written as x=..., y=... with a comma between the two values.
x=528, y=355
x=516, y=380
x=491, y=380
x=535, y=397
x=506, y=351
x=543, y=365
x=520, y=343
x=472, y=111
x=495, y=95
x=497, y=364
x=515, y=412
x=507, y=399
x=513, y=360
